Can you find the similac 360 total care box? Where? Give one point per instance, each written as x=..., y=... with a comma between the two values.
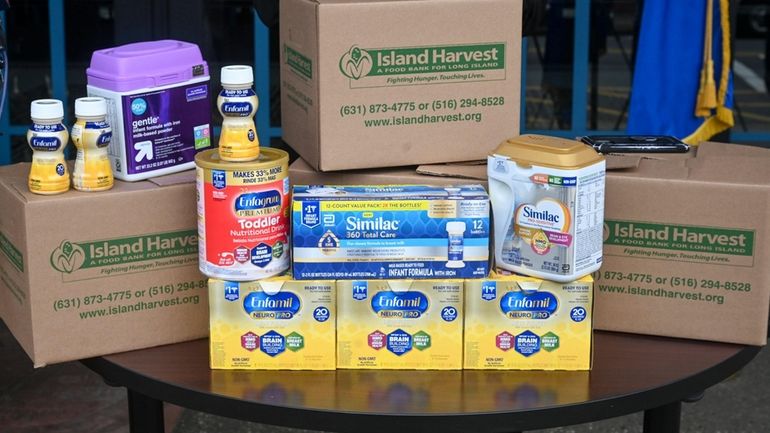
x=272, y=324
x=524, y=323
x=390, y=231
x=400, y=324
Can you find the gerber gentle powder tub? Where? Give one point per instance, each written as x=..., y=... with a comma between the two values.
x=390, y=231
x=273, y=324
x=158, y=105
x=547, y=197
x=524, y=323
x=400, y=324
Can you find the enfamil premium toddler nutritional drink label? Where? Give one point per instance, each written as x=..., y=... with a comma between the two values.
x=524, y=323
x=272, y=324
x=400, y=324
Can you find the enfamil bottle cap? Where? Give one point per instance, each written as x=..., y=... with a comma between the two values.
x=46, y=109
x=90, y=107
x=237, y=75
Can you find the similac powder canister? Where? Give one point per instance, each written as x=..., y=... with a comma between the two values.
x=158, y=105
x=243, y=215
x=275, y=324
x=400, y=324
x=525, y=323
x=547, y=198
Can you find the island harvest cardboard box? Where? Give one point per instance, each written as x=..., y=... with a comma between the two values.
x=385, y=83
x=88, y=274
x=687, y=246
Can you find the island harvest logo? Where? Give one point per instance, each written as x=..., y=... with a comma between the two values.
x=67, y=257
x=356, y=63
x=108, y=257
x=427, y=64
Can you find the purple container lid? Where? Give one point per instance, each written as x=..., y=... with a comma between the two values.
x=146, y=64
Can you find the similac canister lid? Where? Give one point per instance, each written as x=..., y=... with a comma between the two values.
x=92, y=106
x=268, y=157
x=237, y=75
x=548, y=151
x=46, y=109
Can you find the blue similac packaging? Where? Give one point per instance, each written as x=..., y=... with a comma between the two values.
x=390, y=232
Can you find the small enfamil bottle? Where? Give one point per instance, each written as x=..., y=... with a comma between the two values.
x=48, y=137
x=91, y=135
x=238, y=103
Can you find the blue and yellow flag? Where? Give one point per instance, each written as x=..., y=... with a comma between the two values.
x=683, y=85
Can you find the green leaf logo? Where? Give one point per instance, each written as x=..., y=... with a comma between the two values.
x=68, y=257
x=356, y=63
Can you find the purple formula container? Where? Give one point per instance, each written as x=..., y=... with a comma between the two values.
x=157, y=104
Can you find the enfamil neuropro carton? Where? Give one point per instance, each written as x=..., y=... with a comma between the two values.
x=272, y=324
x=524, y=323
x=400, y=324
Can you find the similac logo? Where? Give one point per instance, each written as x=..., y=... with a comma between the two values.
x=523, y=305
x=546, y=214
x=406, y=305
x=379, y=223
x=258, y=201
x=281, y=306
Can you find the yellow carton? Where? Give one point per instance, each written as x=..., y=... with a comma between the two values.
x=524, y=323
x=400, y=324
x=272, y=324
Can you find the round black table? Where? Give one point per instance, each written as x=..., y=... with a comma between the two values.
x=631, y=373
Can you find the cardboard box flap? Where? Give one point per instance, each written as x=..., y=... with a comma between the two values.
x=187, y=176
x=14, y=177
x=460, y=170
x=711, y=149
x=622, y=162
x=731, y=169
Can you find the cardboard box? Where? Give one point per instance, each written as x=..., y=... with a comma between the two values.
x=524, y=323
x=388, y=83
x=400, y=324
x=391, y=231
x=301, y=173
x=272, y=324
x=88, y=274
x=687, y=246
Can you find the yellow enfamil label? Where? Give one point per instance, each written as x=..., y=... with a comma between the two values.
x=525, y=323
x=272, y=324
x=400, y=324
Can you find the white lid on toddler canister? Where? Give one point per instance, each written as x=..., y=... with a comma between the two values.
x=46, y=109
x=237, y=75
x=92, y=106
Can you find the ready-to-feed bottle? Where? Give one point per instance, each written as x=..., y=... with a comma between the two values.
x=48, y=137
x=547, y=198
x=91, y=135
x=238, y=103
